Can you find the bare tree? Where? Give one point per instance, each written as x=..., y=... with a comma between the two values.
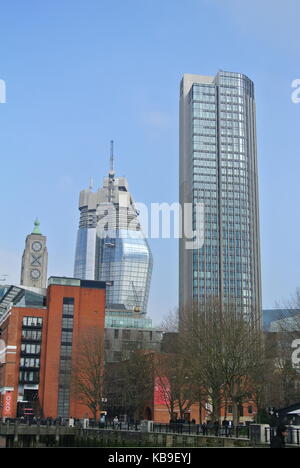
x=285, y=338
x=174, y=378
x=129, y=384
x=226, y=351
x=288, y=316
x=170, y=322
x=174, y=344
x=87, y=376
x=283, y=384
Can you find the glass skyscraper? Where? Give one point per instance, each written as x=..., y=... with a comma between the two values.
x=218, y=168
x=111, y=246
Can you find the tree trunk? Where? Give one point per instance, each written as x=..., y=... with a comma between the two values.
x=95, y=413
x=235, y=413
x=181, y=410
x=200, y=411
x=200, y=408
x=216, y=406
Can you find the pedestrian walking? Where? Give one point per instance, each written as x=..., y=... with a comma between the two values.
x=102, y=421
x=116, y=422
x=225, y=425
x=204, y=428
x=278, y=441
x=210, y=426
x=216, y=428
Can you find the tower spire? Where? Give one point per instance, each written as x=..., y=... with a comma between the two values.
x=111, y=174
x=36, y=229
x=111, y=166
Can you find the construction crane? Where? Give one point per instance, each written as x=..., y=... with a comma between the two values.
x=136, y=308
x=109, y=253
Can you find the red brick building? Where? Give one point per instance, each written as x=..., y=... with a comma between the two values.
x=40, y=333
x=160, y=413
x=158, y=395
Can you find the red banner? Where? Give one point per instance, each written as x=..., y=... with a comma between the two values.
x=161, y=390
x=7, y=405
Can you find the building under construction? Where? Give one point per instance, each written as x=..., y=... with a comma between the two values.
x=112, y=248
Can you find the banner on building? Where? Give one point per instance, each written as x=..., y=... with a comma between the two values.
x=162, y=391
x=7, y=405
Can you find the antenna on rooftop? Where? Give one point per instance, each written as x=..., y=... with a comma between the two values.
x=111, y=174
x=111, y=168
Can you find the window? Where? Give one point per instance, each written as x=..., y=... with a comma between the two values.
x=30, y=362
x=31, y=335
x=68, y=307
x=130, y=346
x=67, y=323
x=29, y=377
x=30, y=349
x=66, y=337
x=66, y=350
x=68, y=301
x=32, y=322
x=65, y=356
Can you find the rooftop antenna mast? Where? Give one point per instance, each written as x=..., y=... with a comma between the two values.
x=111, y=168
x=111, y=174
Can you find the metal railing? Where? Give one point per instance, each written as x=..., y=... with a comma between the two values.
x=198, y=429
x=293, y=437
x=180, y=428
x=240, y=432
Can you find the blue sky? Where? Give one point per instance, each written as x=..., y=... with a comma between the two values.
x=80, y=73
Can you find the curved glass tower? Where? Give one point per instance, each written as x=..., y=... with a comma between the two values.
x=111, y=246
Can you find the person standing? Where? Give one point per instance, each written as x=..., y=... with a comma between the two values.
x=216, y=428
x=278, y=441
x=116, y=422
x=204, y=428
x=225, y=425
x=230, y=427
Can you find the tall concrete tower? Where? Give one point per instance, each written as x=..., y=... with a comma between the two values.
x=35, y=259
x=218, y=169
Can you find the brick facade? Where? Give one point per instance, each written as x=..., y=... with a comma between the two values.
x=88, y=314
